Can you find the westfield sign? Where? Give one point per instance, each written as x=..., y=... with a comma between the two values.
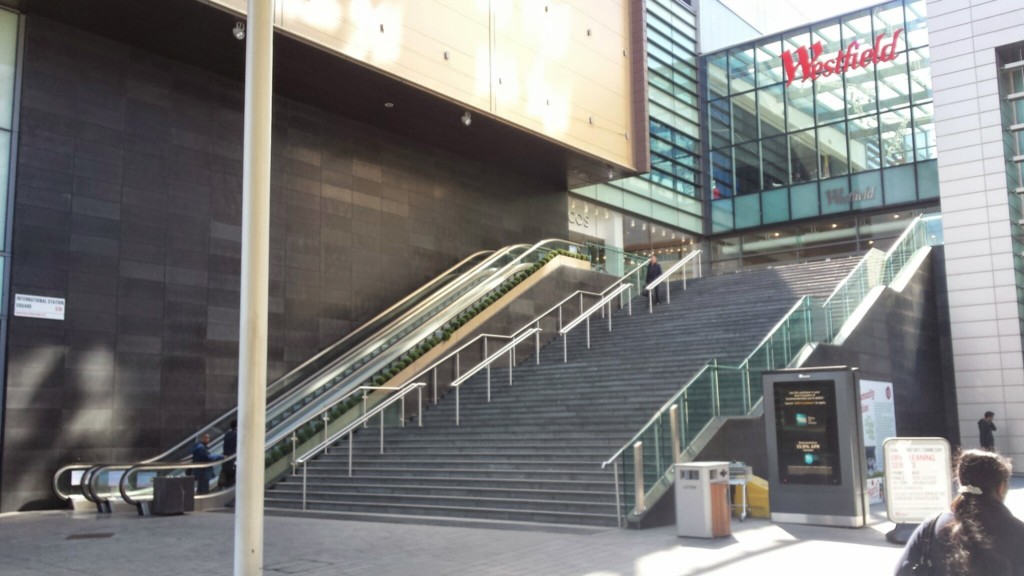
x=809, y=64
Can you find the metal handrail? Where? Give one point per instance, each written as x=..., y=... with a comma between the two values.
x=863, y=262
x=161, y=466
x=708, y=364
x=585, y=316
x=681, y=264
x=351, y=427
x=486, y=362
x=68, y=468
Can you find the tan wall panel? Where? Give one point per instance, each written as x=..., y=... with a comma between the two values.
x=531, y=63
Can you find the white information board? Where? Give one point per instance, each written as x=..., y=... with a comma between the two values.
x=45, y=307
x=918, y=478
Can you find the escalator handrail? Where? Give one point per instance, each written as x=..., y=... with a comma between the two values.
x=132, y=470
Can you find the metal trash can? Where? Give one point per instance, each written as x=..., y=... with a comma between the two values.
x=173, y=495
x=702, y=499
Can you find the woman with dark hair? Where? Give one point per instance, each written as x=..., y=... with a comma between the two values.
x=979, y=535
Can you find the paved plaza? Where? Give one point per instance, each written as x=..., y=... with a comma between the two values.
x=63, y=543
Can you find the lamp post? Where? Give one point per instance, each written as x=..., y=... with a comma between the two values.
x=252, y=342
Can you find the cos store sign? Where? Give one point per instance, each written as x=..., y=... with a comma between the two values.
x=579, y=219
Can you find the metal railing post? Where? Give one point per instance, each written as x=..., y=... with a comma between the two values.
x=419, y=407
x=350, y=453
x=618, y=500
x=511, y=362
x=457, y=405
x=487, y=359
x=588, y=332
x=382, y=431
x=295, y=440
x=638, y=478
x=435, y=384
x=303, y=485
x=673, y=414
x=537, y=343
x=716, y=406
x=326, y=419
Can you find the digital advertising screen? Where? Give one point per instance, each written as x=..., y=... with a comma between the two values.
x=807, y=432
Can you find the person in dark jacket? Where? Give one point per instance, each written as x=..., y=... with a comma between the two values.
x=653, y=273
x=201, y=453
x=227, y=471
x=979, y=535
x=986, y=427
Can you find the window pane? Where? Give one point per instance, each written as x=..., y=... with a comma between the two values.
x=744, y=119
x=741, y=70
x=832, y=146
x=897, y=140
x=866, y=190
x=889, y=19
x=718, y=80
x=893, y=83
x=770, y=110
x=769, y=63
x=803, y=200
x=748, y=211
x=861, y=95
x=721, y=173
x=720, y=124
x=865, y=153
x=775, y=205
x=8, y=63
x=803, y=157
x=721, y=215
x=899, y=184
x=917, y=30
x=924, y=132
x=774, y=162
x=748, y=169
x=799, y=94
x=919, y=64
x=828, y=87
x=835, y=195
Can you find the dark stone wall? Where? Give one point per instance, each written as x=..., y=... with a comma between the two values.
x=128, y=204
x=905, y=339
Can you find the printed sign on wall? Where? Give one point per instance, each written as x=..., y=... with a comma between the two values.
x=45, y=307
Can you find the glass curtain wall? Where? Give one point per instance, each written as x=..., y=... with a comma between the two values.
x=670, y=193
x=793, y=137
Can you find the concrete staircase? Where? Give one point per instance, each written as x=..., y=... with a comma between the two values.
x=533, y=453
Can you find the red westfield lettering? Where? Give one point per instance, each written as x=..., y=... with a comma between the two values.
x=810, y=65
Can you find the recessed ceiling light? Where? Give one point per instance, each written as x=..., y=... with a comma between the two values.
x=389, y=104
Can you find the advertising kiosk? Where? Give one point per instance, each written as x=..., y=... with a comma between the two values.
x=815, y=440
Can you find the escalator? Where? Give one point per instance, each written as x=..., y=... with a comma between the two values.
x=361, y=358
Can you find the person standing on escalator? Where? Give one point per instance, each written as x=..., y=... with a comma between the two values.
x=200, y=454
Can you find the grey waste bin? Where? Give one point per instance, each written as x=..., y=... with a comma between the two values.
x=702, y=499
x=173, y=495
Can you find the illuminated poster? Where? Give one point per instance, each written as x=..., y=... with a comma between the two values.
x=807, y=432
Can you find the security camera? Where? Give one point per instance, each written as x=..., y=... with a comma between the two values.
x=467, y=118
x=239, y=31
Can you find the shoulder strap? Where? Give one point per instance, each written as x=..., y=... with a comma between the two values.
x=927, y=535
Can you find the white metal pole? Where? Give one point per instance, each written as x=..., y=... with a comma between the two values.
x=252, y=345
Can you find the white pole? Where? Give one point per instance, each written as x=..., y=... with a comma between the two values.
x=252, y=345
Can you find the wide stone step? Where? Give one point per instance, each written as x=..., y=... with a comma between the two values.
x=580, y=506
x=463, y=512
x=600, y=484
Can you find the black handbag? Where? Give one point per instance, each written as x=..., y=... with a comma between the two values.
x=923, y=565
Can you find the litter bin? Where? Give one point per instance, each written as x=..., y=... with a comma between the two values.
x=702, y=499
x=173, y=495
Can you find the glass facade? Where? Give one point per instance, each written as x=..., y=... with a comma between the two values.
x=826, y=121
x=670, y=193
x=9, y=36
